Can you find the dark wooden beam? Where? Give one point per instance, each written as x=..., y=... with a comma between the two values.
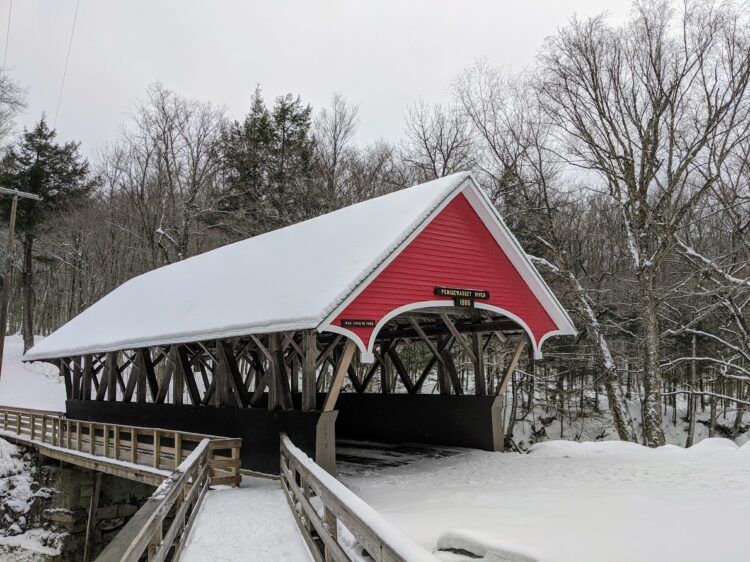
x=503, y=385
x=401, y=369
x=480, y=381
x=140, y=377
x=281, y=377
x=310, y=351
x=188, y=375
x=87, y=368
x=101, y=389
x=450, y=367
x=232, y=370
x=149, y=373
x=178, y=376
x=110, y=374
x=127, y=395
x=338, y=377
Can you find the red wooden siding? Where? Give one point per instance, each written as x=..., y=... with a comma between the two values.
x=454, y=250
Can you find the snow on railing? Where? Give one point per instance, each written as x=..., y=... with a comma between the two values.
x=145, y=533
x=305, y=482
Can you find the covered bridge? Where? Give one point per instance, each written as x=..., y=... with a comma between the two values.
x=315, y=330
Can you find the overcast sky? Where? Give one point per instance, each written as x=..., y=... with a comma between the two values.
x=382, y=55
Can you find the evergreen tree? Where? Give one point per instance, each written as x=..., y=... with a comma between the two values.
x=56, y=172
x=268, y=160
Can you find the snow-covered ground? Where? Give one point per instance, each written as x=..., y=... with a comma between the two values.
x=574, y=502
x=29, y=385
x=252, y=522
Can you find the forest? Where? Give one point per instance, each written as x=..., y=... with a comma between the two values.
x=620, y=159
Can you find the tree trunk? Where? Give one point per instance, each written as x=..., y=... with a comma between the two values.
x=617, y=403
x=652, y=409
x=692, y=397
x=27, y=290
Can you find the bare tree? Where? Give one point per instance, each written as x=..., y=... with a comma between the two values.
x=334, y=130
x=438, y=141
x=653, y=109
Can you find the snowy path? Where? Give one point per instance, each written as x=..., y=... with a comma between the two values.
x=570, y=502
x=252, y=522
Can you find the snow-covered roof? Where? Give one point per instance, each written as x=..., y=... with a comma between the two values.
x=289, y=279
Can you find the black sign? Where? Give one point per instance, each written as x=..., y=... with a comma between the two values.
x=462, y=293
x=358, y=323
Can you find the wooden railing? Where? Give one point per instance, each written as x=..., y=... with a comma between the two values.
x=159, y=449
x=303, y=480
x=148, y=532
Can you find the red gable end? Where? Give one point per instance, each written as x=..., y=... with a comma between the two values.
x=454, y=250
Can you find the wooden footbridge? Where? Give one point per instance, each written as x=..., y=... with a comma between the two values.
x=184, y=466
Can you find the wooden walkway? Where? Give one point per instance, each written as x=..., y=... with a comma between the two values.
x=137, y=453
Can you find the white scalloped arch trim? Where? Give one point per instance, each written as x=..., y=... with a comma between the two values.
x=367, y=352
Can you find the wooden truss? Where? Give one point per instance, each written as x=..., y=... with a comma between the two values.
x=289, y=370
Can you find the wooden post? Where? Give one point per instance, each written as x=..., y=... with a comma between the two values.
x=110, y=375
x=480, y=384
x=444, y=381
x=93, y=507
x=88, y=367
x=221, y=378
x=178, y=377
x=134, y=445
x=273, y=371
x=139, y=372
x=325, y=442
x=177, y=449
x=309, y=390
x=386, y=371
x=76, y=378
x=106, y=440
x=157, y=448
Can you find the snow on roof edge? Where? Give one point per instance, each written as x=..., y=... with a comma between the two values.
x=182, y=337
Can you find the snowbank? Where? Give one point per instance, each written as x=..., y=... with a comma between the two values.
x=29, y=385
x=484, y=546
x=556, y=449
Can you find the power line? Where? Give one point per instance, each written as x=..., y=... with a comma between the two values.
x=7, y=36
x=67, y=58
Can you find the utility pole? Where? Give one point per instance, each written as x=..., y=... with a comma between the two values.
x=9, y=263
